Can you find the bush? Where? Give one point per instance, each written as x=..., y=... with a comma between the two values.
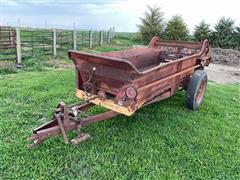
x=152, y=24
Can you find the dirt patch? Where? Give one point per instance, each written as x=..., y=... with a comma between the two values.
x=225, y=66
x=222, y=74
x=228, y=57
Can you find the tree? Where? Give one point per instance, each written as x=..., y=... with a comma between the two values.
x=237, y=37
x=152, y=24
x=223, y=36
x=176, y=29
x=202, y=31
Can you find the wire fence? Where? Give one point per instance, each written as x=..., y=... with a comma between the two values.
x=18, y=43
x=36, y=42
x=64, y=39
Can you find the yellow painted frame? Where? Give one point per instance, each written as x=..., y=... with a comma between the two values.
x=109, y=104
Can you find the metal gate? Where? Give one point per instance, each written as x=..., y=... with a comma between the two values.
x=7, y=43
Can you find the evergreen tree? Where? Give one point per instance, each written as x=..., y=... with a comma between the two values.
x=176, y=29
x=152, y=24
x=202, y=31
x=237, y=37
x=223, y=36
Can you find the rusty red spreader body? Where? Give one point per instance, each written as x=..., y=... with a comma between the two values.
x=124, y=81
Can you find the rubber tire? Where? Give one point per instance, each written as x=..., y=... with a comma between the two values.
x=193, y=88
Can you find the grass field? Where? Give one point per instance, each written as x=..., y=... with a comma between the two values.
x=164, y=140
x=40, y=63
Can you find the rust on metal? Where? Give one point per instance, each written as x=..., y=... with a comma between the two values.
x=65, y=120
x=7, y=37
x=125, y=81
x=201, y=91
x=8, y=43
x=149, y=70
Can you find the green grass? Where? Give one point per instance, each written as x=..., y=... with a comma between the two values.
x=161, y=141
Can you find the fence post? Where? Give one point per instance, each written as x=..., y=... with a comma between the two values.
x=74, y=40
x=54, y=34
x=109, y=36
x=113, y=32
x=19, y=56
x=11, y=37
x=90, y=38
x=101, y=38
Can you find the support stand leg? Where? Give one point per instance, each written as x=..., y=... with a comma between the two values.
x=80, y=137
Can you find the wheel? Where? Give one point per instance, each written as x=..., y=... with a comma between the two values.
x=196, y=89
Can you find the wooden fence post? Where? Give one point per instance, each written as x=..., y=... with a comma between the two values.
x=90, y=38
x=101, y=38
x=54, y=37
x=113, y=32
x=74, y=40
x=18, y=38
x=11, y=38
x=109, y=34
